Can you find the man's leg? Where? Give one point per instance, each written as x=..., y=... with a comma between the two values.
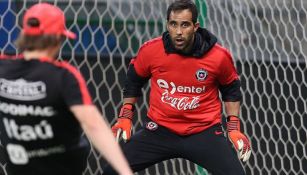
x=147, y=148
x=211, y=150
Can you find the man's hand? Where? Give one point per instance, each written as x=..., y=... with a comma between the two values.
x=238, y=139
x=123, y=126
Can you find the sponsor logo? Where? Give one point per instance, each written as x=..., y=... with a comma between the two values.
x=40, y=131
x=151, y=126
x=20, y=156
x=172, y=87
x=46, y=151
x=22, y=90
x=182, y=102
x=24, y=132
x=201, y=74
x=17, y=154
x=23, y=110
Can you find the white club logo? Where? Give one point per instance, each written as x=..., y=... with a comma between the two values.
x=201, y=74
x=151, y=126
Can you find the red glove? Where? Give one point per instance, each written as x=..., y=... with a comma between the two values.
x=123, y=126
x=238, y=139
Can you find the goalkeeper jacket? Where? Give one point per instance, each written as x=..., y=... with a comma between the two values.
x=184, y=94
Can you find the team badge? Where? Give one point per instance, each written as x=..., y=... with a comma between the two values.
x=151, y=126
x=201, y=74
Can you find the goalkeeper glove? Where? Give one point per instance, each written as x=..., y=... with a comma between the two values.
x=237, y=138
x=123, y=126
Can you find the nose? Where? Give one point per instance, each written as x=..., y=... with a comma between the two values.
x=178, y=31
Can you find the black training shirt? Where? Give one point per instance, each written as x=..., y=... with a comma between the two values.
x=36, y=124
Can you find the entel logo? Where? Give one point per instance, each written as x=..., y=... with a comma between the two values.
x=185, y=89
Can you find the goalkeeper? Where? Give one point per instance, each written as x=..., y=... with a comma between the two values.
x=187, y=68
x=45, y=104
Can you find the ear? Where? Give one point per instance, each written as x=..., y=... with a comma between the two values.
x=196, y=26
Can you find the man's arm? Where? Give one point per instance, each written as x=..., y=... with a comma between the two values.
x=232, y=108
x=130, y=100
x=101, y=136
x=132, y=90
x=231, y=96
x=234, y=130
x=123, y=127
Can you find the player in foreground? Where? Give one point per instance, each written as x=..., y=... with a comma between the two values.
x=43, y=102
x=187, y=69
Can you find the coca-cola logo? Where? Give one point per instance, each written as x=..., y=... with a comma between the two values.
x=183, y=103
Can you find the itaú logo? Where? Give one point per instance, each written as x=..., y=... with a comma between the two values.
x=172, y=88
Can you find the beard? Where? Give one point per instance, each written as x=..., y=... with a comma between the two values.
x=182, y=44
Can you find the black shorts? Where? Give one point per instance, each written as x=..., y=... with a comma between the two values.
x=209, y=149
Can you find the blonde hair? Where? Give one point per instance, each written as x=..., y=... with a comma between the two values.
x=41, y=42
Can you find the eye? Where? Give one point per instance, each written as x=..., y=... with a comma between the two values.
x=173, y=24
x=185, y=24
